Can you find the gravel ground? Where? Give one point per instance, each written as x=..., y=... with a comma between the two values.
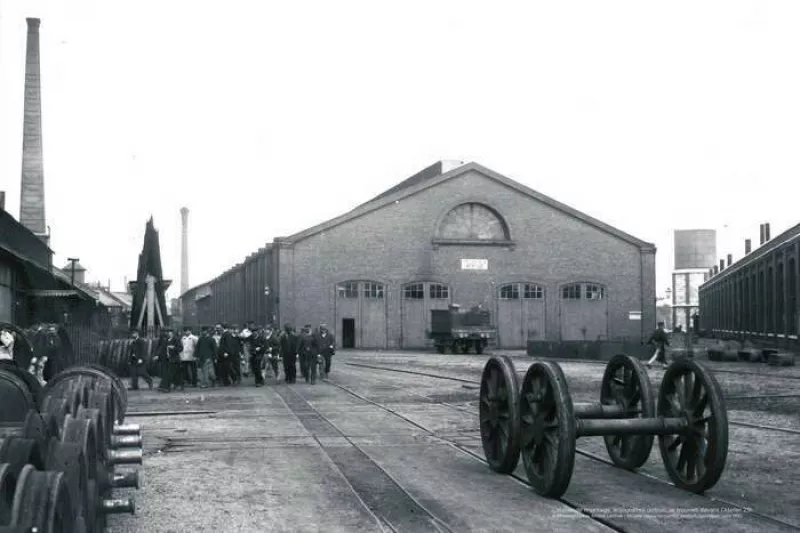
x=317, y=458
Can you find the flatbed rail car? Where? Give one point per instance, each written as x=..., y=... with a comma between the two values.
x=461, y=330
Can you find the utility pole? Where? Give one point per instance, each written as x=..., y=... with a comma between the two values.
x=73, y=260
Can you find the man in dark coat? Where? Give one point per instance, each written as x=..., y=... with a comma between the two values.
x=174, y=375
x=308, y=354
x=161, y=360
x=289, y=347
x=204, y=353
x=236, y=361
x=216, y=336
x=660, y=339
x=137, y=355
x=272, y=348
x=227, y=353
x=257, y=347
x=52, y=351
x=326, y=345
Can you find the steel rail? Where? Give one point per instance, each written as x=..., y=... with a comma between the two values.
x=589, y=455
x=437, y=522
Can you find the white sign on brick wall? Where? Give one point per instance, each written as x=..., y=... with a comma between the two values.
x=634, y=315
x=474, y=264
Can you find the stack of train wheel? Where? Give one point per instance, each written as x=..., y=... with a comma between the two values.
x=59, y=448
x=538, y=421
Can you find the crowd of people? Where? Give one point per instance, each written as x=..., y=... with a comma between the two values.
x=224, y=354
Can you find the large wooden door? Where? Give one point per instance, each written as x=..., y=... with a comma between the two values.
x=348, y=311
x=373, y=315
x=417, y=301
x=413, y=315
x=365, y=303
x=583, y=309
x=520, y=314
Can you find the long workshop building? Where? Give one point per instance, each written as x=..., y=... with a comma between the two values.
x=452, y=233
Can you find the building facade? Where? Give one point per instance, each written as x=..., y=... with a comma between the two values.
x=756, y=297
x=466, y=235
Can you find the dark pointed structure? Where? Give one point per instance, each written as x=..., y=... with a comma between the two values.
x=149, y=310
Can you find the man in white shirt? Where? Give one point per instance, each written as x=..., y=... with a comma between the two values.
x=188, y=362
x=7, y=346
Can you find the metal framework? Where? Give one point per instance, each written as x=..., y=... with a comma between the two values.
x=758, y=296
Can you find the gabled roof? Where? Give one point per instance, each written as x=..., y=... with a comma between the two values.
x=423, y=181
x=66, y=278
x=436, y=169
x=124, y=297
x=789, y=236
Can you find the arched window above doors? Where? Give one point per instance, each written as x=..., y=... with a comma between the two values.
x=472, y=222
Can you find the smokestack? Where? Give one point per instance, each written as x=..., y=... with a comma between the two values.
x=2, y=200
x=184, y=250
x=730, y=259
x=766, y=232
x=721, y=265
x=716, y=270
x=747, y=246
x=761, y=234
x=31, y=209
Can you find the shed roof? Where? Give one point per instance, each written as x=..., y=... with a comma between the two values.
x=428, y=178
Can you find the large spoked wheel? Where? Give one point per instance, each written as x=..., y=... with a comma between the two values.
x=499, y=414
x=694, y=461
x=626, y=383
x=547, y=429
x=97, y=374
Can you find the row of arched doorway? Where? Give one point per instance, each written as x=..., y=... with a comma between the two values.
x=519, y=311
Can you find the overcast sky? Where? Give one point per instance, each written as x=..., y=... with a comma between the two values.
x=265, y=118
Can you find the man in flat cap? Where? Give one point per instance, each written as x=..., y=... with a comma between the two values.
x=137, y=355
x=326, y=345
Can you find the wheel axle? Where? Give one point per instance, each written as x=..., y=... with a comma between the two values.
x=538, y=421
x=637, y=426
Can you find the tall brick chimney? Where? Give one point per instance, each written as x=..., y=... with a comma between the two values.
x=747, y=246
x=766, y=232
x=31, y=208
x=184, y=250
x=2, y=200
x=730, y=259
x=761, y=234
x=721, y=265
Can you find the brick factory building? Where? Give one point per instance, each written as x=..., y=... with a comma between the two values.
x=453, y=233
x=758, y=296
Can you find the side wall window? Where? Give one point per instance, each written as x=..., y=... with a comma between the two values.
x=439, y=292
x=373, y=290
x=510, y=291
x=571, y=292
x=414, y=291
x=348, y=289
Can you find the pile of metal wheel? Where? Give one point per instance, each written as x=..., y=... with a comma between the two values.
x=59, y=447
x=733, y=350
x=114, y=354
x=538, y=420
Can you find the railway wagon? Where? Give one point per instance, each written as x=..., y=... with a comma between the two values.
x=461, y=330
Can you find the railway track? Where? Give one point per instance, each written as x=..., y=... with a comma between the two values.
x=716, y=368
x=566, y=501
x=477, y=384
x=295, y=402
